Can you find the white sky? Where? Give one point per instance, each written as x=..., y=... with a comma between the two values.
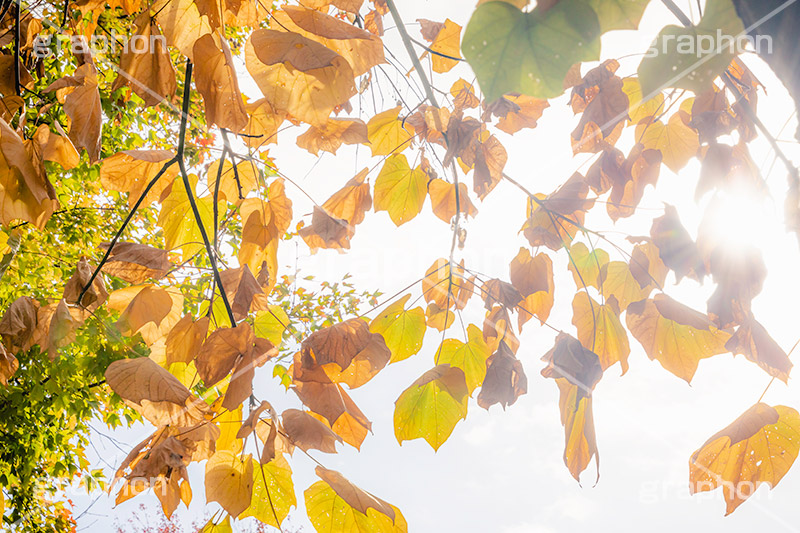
x=503, y=471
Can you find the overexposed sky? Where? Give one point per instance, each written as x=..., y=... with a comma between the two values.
x=503, y=471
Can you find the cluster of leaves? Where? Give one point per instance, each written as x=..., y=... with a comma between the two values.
x=198, y=326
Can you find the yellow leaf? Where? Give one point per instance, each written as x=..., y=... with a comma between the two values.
x=432, y=406
x=400, y=190
x=676, y=141
x=402, y=329
x=387, y=134
x=177, y=219
x=330, y=136
x=331, y=512
x=298, y=76
x=448, y=43
x=619, y=282
x=641, y=110
x=229, y=481
x=758, y=447
x=675, y=335
x=245, y=171
x=273, y=492
x=600, y=330
x=361, y=49
x=580, y=444
x=469, y=356
x=182, y=23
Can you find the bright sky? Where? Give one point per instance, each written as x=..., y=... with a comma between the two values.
x=503, y=471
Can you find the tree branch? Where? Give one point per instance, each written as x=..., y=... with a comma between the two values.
x=17, y=84
x=187, y=89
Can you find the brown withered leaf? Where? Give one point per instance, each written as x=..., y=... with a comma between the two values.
x=56, y=147
x=249, y=424
x=8, y=365
x=495, y=291
x=96, y=294
x=675, y=247
x=489, y=160
x=330, y=401
x=216, y=81
x=739, y=274
x=154, y=392
x=640, y=169
x=347, y=352
x=19, y=323
x=152, y=311
x=130, y=171
x=25, y=192
x=505, y=379
x=136, y=263
x=607, y=109
x=333, y=225
x=570, y=360
x=149, y=73
x=240, y=386
x=360, y=48
x=240, y=288
x=61, y=330
x=220, y=352
x=753, y=341
x=524, y=112
x=607, y=171
x=185, y=339
x=326, y=231
x=82, y=106
x=711, y=115
x=529, y=274
x=330, y=136
x=308, y=433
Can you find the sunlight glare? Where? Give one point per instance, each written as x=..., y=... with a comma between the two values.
x=738, y=218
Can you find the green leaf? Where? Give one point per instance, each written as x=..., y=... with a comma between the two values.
x=271, y=324
x=276, y=497
x=529, y=53
x=432, y=406
x=619, y=14
x=402, y=329
x=470, y=356
x=687, y=58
